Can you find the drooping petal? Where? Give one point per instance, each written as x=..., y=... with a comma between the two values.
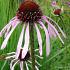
x=39, y=39
x=21, y=65
x=6, y=27
x=44, y=17
x=47, y=38
x=10, y=53
x=8, y=36
x=11, y=64
x=39, y=56
x=3, y=30
x=14, y=22
x=14, y=65
x=9, y=57
x=36, y=67
x=7, y=31
x=19, y=46
x=54, y=30
x=26, y=44
x=51, y=31
x=26, y=66
x=38, y=63
x=36, y=50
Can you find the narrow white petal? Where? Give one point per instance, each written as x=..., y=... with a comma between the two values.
x=14, y=65
x=29, y=61
x=44, y=17
x=19, y=46
x=36, y=50
x=47, y=38
x=6, y=27
x=13, y=23
x=11, y=64
x=8, y=57
x=51, y=31
x=26, y=66
x=21, y=65
x=39, y=56
x=8, y=30
x=57, y=33
x=26, y=44
x=10, y=53
x=3, y=30
x=36, y=68
x=39, y=39
x=8, y=36
x=54, y=30
x=38, y=63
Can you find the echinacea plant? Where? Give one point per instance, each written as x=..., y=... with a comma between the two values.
x=53, y=3
x=30, y=15
x=18, y=59
x=57, y=9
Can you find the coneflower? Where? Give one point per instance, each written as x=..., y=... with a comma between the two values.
x=18, y=59
x=30, y=14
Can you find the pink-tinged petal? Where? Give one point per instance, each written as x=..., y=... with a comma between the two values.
x=57, y=33
x=26, y=66
x=7, y=31
x=6, y=27
x=54, y=29
x=44, y=17
x=1, y=34
x=53, y=3
x=14, y=65
x=14, y=22
x=3, y=30
x=51, y=31
x=47, y=39
x=19, y=46
x=21, y=65
x=8, y=36
x=26, y=44
x=39, y=39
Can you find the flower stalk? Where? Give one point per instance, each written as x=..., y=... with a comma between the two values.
x=31, y=29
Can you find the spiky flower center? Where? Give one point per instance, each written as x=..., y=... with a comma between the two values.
x=29, y=11
x=57, y=11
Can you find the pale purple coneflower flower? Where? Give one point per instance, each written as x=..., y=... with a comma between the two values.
x=16, y=58
x=53, y=3
x=30, y=13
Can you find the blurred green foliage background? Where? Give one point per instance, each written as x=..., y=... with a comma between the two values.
x=59, y=59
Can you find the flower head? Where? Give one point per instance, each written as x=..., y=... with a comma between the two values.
x=58, y=11
x=29, y=12
x=27, y=60
x=53, y=3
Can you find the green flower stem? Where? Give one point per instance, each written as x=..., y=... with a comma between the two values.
x=31, y=30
